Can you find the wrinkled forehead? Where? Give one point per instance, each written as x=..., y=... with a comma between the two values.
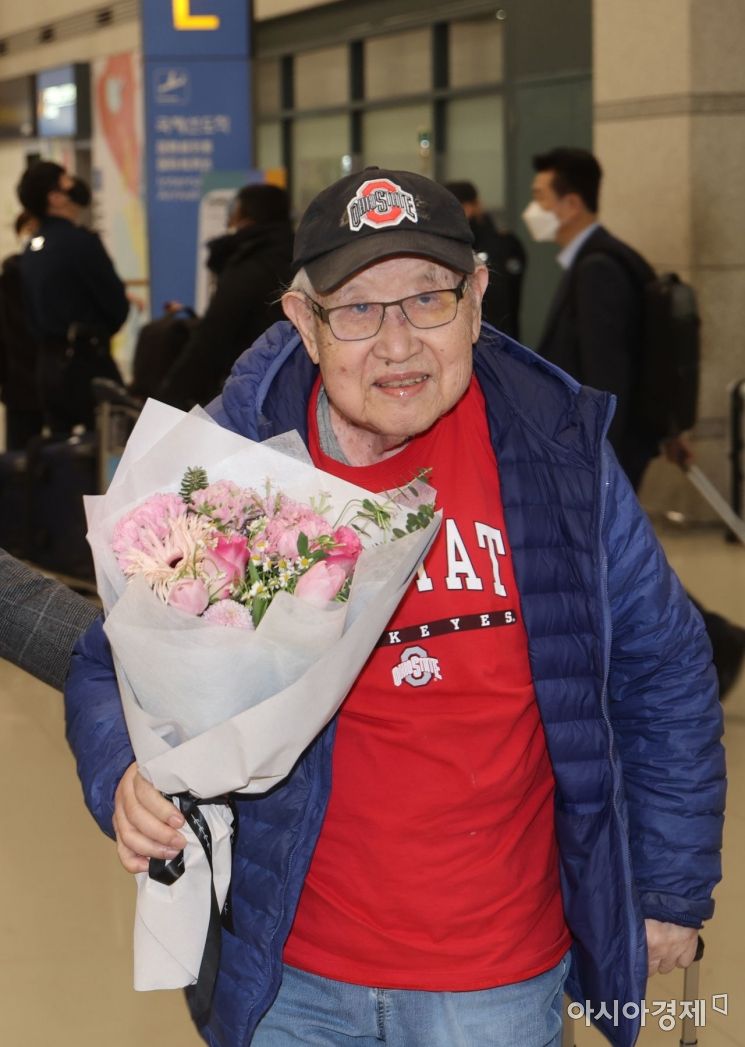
x=393, y=278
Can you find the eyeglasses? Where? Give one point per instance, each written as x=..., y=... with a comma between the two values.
x=351, y=323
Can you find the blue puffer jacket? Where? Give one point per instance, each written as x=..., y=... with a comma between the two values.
x=623, y=678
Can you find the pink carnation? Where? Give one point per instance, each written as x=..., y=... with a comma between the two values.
x=287, y=523
x=229, y=613
x=226, y=502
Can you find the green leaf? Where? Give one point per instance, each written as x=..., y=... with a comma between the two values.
x=259, y=608
x=194, y=479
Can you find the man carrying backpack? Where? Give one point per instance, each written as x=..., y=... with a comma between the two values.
x=594, y=326
x=606, y=321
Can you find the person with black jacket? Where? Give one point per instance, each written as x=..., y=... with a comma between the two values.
x=74, y=298
x=503, y=255
x=252, y=266
x=18, y=351
x=593, y=329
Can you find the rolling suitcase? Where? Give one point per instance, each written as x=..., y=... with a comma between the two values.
x=724, y=511
x=116, y=414
x=14, y=503
x=59, y=474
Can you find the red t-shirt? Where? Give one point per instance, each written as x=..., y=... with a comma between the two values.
x=437, y=864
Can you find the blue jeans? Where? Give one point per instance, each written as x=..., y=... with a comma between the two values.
x=311, y=1011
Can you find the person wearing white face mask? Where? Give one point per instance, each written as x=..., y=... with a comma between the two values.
x=593, y=327
x=593, y=330
x=543, y=224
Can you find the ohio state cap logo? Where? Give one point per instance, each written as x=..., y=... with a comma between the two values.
x=379, y=203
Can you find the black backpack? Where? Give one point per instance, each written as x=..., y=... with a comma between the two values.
x=666, y=394
x=669, y=374
x=159, y=345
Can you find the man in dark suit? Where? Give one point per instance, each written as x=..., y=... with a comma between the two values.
x=593, y=328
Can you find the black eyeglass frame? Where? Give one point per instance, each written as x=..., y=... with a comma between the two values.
x=324, y=314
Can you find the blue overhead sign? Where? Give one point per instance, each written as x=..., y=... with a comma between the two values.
x=208, y=28
x=197, y=121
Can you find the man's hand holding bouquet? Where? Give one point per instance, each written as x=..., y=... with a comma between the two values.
x=244, y=591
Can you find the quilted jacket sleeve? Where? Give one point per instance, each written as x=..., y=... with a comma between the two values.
x=96, y=729
x=667, y=720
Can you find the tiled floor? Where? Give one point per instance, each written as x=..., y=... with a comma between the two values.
x=66, y=913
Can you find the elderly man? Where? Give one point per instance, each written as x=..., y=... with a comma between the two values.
x=542, y=806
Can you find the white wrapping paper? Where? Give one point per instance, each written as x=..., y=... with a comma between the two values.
x=213, y=710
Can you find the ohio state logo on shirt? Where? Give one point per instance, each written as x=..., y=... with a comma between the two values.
x=380, y=203
x=416, y=668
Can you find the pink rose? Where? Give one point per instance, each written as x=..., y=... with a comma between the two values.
x=321, y=583
x=347, y=548
x=189, y=595
x=226, y=561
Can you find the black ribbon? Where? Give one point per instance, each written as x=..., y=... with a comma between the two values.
x=199, y=996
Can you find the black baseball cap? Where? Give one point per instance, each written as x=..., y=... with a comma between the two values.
x=377, y=214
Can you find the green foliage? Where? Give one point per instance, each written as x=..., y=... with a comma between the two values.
x=194, y=479
x=419, y=520
x=259, y=607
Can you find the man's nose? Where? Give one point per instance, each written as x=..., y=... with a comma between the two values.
x=397, y=339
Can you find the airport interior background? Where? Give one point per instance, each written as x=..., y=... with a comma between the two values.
x=457, y=90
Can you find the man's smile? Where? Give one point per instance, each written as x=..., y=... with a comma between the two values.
x=402, y=384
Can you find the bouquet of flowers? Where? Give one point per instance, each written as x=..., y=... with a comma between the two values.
x=244, y=590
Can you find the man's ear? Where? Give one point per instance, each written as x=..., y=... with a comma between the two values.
x=478, y=281
x=574, y=204
x=298, y=312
